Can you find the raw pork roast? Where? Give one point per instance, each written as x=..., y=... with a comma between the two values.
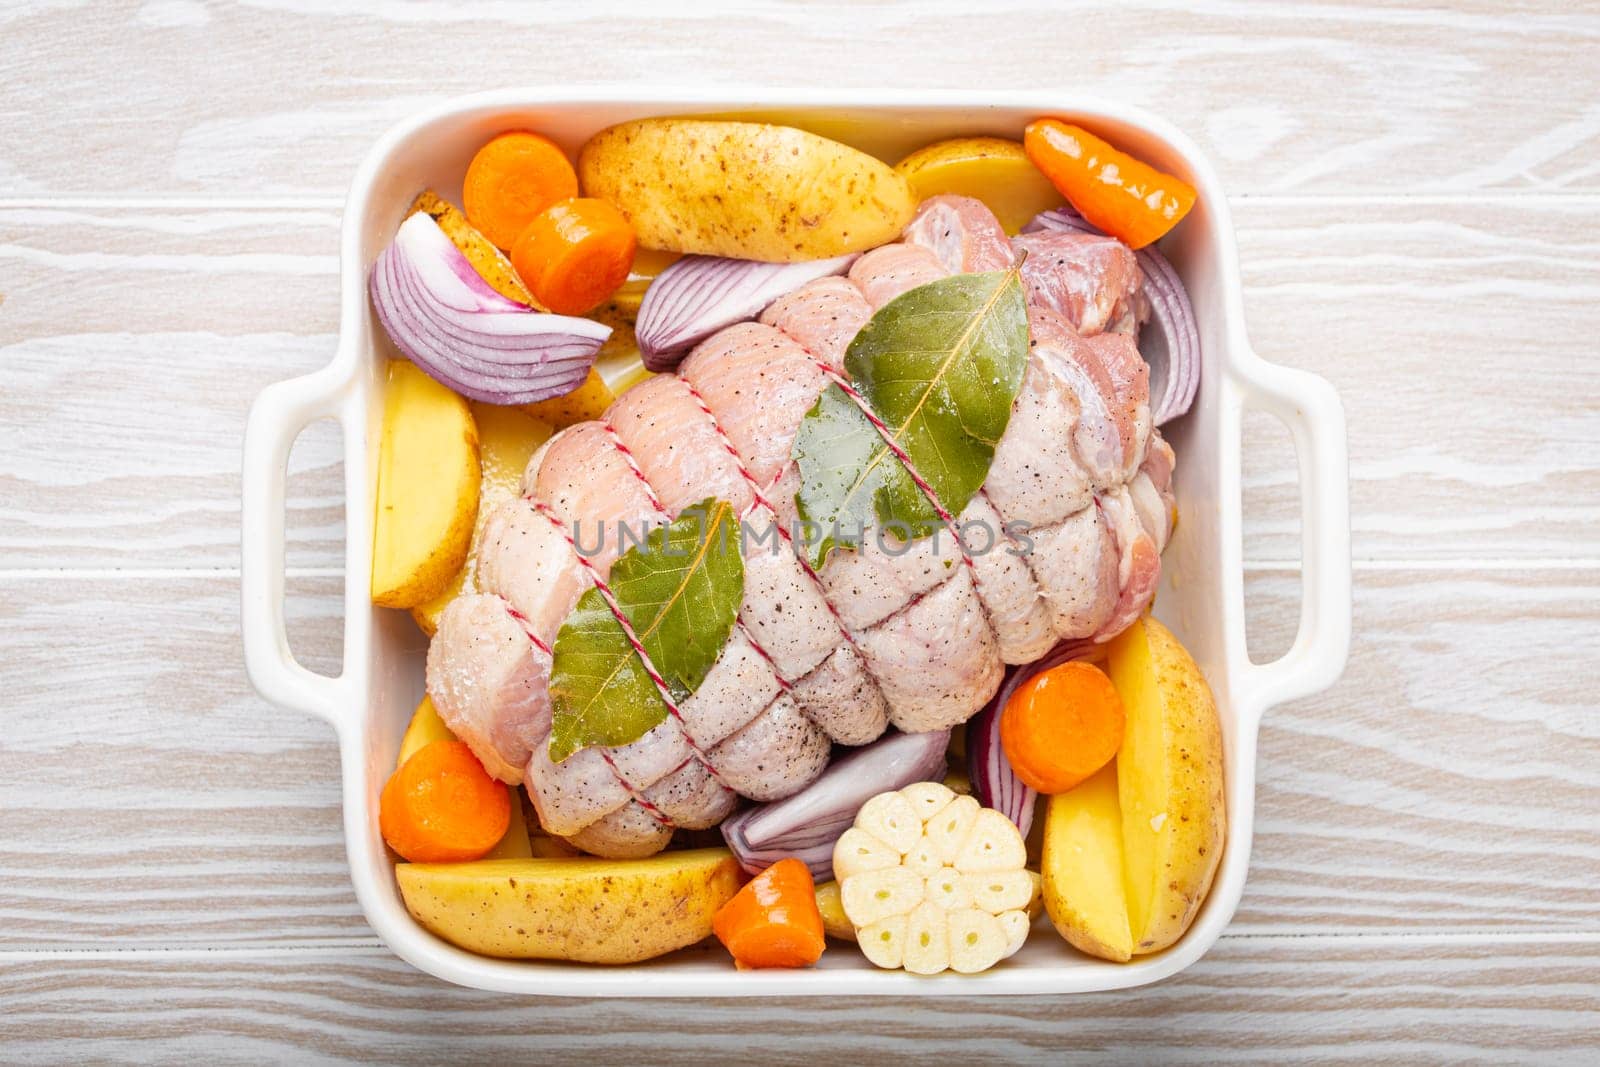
x=916, y=640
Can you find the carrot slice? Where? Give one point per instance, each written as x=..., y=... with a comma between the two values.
x=512, y=179
x=574, y=254
x=774, y=920
x=1061, y=726
x=1124, y=196
x=441, y=806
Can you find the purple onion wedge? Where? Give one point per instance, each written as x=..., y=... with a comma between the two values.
x=1173, y=348
x=699, y=295
x=447, y=320
x=807, y=824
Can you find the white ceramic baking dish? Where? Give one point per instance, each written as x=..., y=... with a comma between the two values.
x=1201, y=594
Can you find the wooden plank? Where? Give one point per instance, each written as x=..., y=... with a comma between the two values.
x=1251, y=1000
x=121, y=421
x=150, y=795
x=1449, y=779
x=152, y=799
x=180, y=317
x=1453, y=332
x=284, y=101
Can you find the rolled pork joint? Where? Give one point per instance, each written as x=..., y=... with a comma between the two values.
x=1062, y=543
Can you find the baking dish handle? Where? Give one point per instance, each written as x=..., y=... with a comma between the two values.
x=1311, y=409
x=278, y=416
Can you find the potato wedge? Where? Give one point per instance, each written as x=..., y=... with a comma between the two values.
x=488, y=260
x=507, y=439
x=835, y=923
x=1169, y=783
x=991, y=169
x=1082, y=867
x=428, y=480
x=744, y=189
x=618, y=362
x=587, y=910
x=647, y=263
x=588, y=401
x=425, y=728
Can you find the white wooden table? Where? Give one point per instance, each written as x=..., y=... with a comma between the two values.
x=1418, y=201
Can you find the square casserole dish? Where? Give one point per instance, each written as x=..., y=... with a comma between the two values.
x=1201, y=594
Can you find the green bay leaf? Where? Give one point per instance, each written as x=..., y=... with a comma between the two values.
x=940, y=366
x=680, y=592
x=850, y=480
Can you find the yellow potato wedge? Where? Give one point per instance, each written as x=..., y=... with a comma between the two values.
x=744, y=189
x=1036, y=904
x=1169, y=783
x=647, y=263
x=588, y=401
x=1082, y=867
x=618, y=362
x=427, y=614
x=428, y=479
x=835, y=923
x=587, y=910
x=507, y=439
x=488, y=260
x=991, y=169
x=424, y=729
x=515, y=843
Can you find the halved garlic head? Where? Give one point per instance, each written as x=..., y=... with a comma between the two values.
x=932, y=881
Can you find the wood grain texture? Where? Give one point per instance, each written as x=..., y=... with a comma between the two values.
x=1417, y=192
x=1456, y=335
x=1329, y=97
x=131, y=346
x=1251, y=1000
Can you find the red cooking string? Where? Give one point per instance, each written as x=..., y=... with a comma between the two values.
x=758, y=497
x=655, y=500
x=527, y=627
x=633, y=639
x=894, y=446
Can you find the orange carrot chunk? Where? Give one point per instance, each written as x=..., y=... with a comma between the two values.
x=1125, y=197
x=441, y=806
x=774, y=920
x=574, y=254
x=512, y=179
x=1061, y=726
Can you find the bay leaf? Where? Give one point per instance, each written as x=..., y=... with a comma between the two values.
x=849, y=479
x=940, y=365
x=680, y=592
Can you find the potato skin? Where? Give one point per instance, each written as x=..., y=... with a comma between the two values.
x=744, y=189
x=582, y=909
x=488, y=260
x=992, y=169
x=1170, y=783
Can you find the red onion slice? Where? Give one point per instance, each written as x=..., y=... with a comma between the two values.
x=699, y=295
x=807, y=824
x=994, y=783
x=1173, y=349
x=447, y=320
